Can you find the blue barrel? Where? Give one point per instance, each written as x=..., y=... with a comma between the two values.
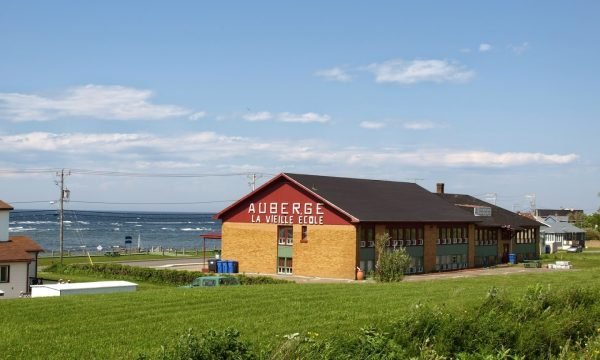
x=512, y=258
x=235, y=267
x=220, y=266
x=230, y=266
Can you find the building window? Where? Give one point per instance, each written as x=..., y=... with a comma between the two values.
x=284, y=266
x=286, y=235
x=405, y=236
x=366, y=236
x=4, y=273
x=304, y=234
x=453, y=235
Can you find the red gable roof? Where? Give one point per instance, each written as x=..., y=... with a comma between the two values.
x=19, y=248
x=282, y=176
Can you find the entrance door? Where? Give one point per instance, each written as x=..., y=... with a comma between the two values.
x=505, y=250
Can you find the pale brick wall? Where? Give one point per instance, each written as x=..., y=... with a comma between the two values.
x=254, y=246
x=331, y=251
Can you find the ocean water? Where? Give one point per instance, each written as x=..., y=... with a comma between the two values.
x=90, y=229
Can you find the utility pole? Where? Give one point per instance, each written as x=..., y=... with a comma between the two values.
x=252, y=181
x=64, y=193
x=491, y=196
x=531, y=198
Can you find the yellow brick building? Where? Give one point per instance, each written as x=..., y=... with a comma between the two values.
x=323, y=226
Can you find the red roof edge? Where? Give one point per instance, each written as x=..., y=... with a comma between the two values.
x=219, y=215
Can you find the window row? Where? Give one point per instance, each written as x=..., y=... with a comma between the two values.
x=452, y=241
x=416, y=265
x=284, y=265
x=408, y=233
x=451, y=262
x=486, y=242
x=453, y=232
x=393, y=243
x=486, y=234
x=526, y=236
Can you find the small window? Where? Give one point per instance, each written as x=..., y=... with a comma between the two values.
x=285, y=235
x=284, y=265
x=4, y=273
x=304, y=234
x=363, y=244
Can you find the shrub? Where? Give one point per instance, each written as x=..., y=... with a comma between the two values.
x=212, y=345
x=157, y=276
x=391, y=264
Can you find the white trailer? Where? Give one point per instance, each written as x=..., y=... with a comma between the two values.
x=97, y=287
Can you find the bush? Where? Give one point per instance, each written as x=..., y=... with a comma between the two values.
x=592, y=234
x=212, y=345
x=156, y=276
x=391, y=264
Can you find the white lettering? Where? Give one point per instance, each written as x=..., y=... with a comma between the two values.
x=262, y=208
x=283, y=213
x=308, y=208
x=295, y=208
x=320, y=209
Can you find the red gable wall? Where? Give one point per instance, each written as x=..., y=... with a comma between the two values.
x=285, y=203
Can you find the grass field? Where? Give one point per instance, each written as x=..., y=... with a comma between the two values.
x=123, y=325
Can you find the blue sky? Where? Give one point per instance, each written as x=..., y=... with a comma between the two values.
x=488, y=98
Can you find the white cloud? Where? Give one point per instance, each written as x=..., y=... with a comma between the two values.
x=89, y=101
x=334, y=74
x=258, y=116
x=175, y=151
x=416, y=71
x=519, y=49
x=373, y=125
x=309, y=117
x=439, y=157
x=198, y=115
x=420, y=125
x=483, y=47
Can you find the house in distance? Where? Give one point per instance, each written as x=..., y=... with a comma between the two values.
x=18, y=259
x=323, y=226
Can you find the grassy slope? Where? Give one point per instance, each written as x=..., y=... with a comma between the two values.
x=123, y=325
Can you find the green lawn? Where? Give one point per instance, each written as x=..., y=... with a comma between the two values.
x=123, y=325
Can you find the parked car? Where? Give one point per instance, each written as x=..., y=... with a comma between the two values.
x=213, y=281
x=575, y=249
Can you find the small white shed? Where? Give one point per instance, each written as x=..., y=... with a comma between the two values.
x=97, y=287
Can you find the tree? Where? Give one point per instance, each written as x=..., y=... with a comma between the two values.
x=391, y=264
